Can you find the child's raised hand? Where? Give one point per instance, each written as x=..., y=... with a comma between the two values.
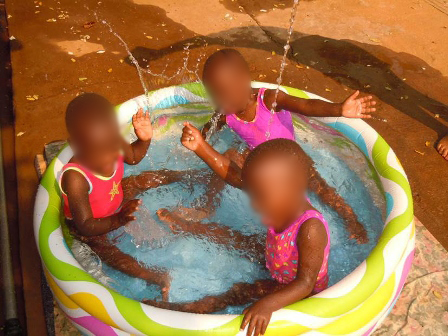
x=142, y=125
x=354, y=107
x=191, y=137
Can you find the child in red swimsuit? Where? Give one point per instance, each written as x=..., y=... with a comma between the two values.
x=96, y=198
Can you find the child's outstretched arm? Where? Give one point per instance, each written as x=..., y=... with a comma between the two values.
x=311, y=242
x=352, y=107
x=220, y=164
x=135, y=152
x=76, y=188
x=328, y=195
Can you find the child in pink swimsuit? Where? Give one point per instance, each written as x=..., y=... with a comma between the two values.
x=247, y=112
x=276, y=176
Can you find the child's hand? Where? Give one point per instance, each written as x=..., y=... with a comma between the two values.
x=257, y=316
x=358, y=107
x=126, y=213
x=142, y=125
x=191, y=137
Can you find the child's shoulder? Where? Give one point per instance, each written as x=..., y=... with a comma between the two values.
x=268, y=96
x=73, y=178
x=312, y=229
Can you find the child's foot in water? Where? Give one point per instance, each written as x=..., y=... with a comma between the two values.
x=360, y=234
x=177, y=224
x=442, y=147
x=191, y=214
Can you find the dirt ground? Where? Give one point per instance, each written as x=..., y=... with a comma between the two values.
x=394, y=50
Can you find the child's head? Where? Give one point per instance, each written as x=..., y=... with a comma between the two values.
x=93, y=132
x=227, y=78
x=275, y=175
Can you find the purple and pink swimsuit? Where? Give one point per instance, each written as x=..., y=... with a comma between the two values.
x=279, y=125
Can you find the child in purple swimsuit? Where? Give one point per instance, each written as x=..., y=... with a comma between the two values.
x=276, y=177
x=247, y=112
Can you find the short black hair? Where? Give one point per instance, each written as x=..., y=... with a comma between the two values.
x=86, y=106
x=221, y=56
x=277, y=147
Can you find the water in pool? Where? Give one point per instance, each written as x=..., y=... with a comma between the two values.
x=199, y=267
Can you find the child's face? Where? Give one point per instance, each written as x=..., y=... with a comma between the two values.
x=229, y=87
x=277, y=190
x=98, y=146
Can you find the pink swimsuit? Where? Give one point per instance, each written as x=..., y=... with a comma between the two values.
x=105, y=194
x=282, y=255
x=256, y=131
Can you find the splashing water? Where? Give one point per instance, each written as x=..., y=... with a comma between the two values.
x=287, y=47
x=140, y=71
x=131, y=57
x=213, y=126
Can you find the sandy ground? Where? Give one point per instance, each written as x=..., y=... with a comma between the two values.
x=394, y=50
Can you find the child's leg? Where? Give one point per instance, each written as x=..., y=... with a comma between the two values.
x=136, y=184
x=329, y=196
x=239, y=294
x=217, y=233
x=123, y=262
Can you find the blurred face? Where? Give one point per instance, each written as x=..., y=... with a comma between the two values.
x=230, y=87
x=98, y=146
x=276, y=186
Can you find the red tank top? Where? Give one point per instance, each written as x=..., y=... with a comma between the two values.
x=105, y=194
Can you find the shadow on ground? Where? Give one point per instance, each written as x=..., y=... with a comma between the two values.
x=376, y=71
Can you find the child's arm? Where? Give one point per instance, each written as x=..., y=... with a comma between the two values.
x=76, y=188
x=311, y=242
x=135, y=152
x=220, y=120
x=221, y=165
x=352, y=107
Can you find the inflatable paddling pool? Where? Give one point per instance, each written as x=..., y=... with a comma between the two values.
x=356, y=305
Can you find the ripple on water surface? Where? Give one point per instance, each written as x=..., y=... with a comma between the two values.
x=199, y=267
